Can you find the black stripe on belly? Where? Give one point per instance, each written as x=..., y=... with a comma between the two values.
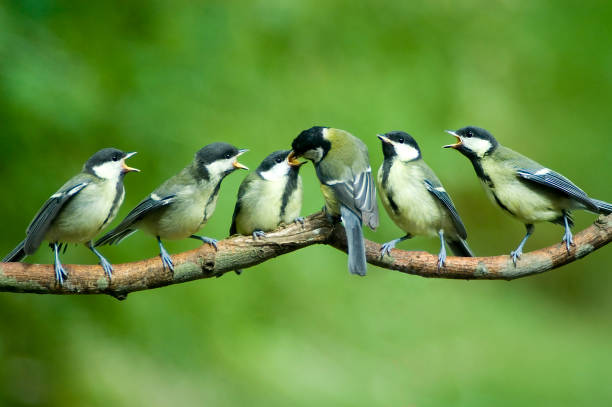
x=290, y=187
x=501, y=205
x=118, y=193
x=211, y=198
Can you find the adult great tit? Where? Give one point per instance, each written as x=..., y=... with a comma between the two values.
x=179, y=207
x=79, y=210
x=415, y=199
x=343, y=168
x=520, y=186
x=269, y=196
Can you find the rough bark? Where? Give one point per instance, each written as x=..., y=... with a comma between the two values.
x=239, y=252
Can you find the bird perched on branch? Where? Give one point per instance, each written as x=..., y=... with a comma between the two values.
x=342, y=165
x=179, y=207
x=415, y=199
x=522, y=187
x=269, y=196
x=79, y=210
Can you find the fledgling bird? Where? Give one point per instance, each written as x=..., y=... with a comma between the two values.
x=415, y=199
x=179, y=207
x=80, y=209
x=269, y=196
x=343, y=168
x=520, y=186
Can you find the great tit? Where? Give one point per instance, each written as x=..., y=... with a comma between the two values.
x=520, y=186
x=179, y=207
x=79, y=210
x=415, y=199
x=269, y=196
x=342, y=165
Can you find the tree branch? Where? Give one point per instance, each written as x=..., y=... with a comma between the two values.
x=242, y=252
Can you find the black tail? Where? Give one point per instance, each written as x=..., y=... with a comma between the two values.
x=17, y=254
x=354, y=241
x=460, y=247
x=603, y=207
x=114, y=237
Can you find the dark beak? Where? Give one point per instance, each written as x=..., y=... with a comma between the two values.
x=457, y=144
x=384, y=139
x=238, y=165
x=127, y=169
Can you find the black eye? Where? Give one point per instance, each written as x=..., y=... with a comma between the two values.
x=116, y=157
x=400, y=140
x=278, y=160
x=228, y=155
x=469, y=134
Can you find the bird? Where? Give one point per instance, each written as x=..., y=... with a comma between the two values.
x=342, y=165
x=415, y=199
x=269, y=196
x=182, y=205
x=80, y=209
x=523, y=188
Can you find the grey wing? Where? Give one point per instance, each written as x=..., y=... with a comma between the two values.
x=359, y=196
x=440, y=193
x=124, y=229
x=37, y=229
x=559, y=183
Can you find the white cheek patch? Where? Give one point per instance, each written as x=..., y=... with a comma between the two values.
x=276, y=172
x=314, y=154
x=406, y=152
x=219, y=167
x=108, y=170
x=477, y=145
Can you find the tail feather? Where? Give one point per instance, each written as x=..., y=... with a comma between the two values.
x=603, y=207
x=460, y=247
x=354, y=240
x=114, y=237
x=17, y=254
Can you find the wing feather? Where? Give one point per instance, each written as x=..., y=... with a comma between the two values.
x=446, y=201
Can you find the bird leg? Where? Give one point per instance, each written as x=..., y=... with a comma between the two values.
x=60, y=272
x=567, y=237
x=165, y=256
x=207, y=240
x=442, y=254
x=385, y=248
x=300, y=220
x=516, y=254
x=258, y=234
x=108, y=268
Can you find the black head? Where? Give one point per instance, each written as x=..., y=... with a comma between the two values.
x=108, y=163
x=311, y=144
x=473, y=141
x=401, y=145
x=218, y=160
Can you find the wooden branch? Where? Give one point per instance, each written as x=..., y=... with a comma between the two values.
x=241, y=252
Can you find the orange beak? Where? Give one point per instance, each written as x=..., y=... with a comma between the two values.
x=127, y=169
x=238, y=165
x=457, y=144
x=293, y=161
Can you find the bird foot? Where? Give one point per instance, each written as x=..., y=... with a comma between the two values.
x=568, y=239
x=107, y=266
x=60, y=273
x=516, y=255
x=259, y=234
x=210, y=241
x=300, y=220
x=166, y=260
x=441, y=260
x=385, y=248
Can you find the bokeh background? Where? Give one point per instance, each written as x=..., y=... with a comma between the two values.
x=166, y=78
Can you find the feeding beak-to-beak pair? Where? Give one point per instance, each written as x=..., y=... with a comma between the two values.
x=457, y=144
x=238, y=165
x=293, y=161
x=126, y=168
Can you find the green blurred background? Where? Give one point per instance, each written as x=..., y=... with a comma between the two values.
x=166, y=78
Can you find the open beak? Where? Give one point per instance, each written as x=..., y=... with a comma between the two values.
x=127, y=169
x=384, y=139
x=457, y=144
x=238, y=165
x=293, y=161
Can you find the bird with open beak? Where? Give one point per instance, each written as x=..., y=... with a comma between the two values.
x=182, y=205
